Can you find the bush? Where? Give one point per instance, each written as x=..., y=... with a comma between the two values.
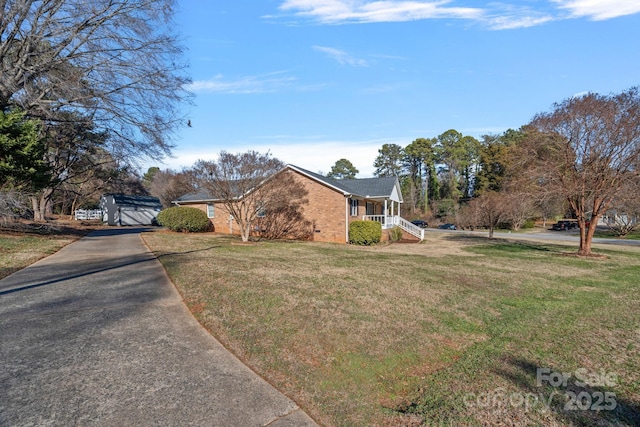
x=530, y=223
x=365, y=232
x=185, y=219
x=395, y=234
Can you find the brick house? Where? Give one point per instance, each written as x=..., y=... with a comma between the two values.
x=332, y=205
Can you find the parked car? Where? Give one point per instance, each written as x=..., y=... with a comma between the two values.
x=447, y=227
x=420, y=223
x=564, y=225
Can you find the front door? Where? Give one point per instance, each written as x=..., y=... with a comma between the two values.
x=371, y=208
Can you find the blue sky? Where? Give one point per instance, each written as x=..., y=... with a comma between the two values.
x=313, y=81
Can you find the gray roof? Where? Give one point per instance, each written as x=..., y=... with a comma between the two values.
x=361, y=187
x=136, y=201
x=200, y=196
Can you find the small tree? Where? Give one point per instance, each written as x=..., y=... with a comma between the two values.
x=249, y=185
x=487, y=210
x=517, y=208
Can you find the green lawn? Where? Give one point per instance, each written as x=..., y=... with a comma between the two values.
x=18, y=251
x=454, y=331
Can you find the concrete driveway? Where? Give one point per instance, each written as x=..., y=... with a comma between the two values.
x=96, y=334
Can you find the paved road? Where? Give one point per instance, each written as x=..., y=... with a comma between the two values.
x=561, y=236
x=97, y=335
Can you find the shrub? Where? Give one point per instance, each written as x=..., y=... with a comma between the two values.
x=185, y=219
x=365, y=232
x=530, y=223
x=395, y=234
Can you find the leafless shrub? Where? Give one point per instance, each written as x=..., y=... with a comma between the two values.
x=12, y=207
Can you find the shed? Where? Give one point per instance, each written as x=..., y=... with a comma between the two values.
x=123, y=209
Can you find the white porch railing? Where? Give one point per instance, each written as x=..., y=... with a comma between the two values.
x=394, y=220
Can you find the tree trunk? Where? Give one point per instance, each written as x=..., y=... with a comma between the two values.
x=245, y=231
x=586, y=235
x=40, y=204
x=426, y=193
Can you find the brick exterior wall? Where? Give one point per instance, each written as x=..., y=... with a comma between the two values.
x=328, y=210
x=220, y=220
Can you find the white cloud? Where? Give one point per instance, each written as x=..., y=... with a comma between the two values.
x=513, y=22
x=599, y=9
x=495, y=15
x=341, y=11
x=244, y=85
x=341, y=56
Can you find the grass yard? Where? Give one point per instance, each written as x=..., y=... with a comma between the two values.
x=23, y=243
x=18, y=251
x=454, y=331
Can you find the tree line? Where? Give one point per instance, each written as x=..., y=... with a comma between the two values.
x=580, y=160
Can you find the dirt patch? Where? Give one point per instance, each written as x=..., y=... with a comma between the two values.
x=434, y=246
x=590, y=256
x=55, y=228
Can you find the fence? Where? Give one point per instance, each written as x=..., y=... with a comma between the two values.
x=83, y=214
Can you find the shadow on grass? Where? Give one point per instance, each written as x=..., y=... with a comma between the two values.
x=581, y=397
x=506, y=245
x=168, y=254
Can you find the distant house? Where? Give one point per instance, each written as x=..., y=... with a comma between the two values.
x=122, y=209
x=332, y=205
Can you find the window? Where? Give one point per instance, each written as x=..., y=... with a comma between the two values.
x=353, y=204
x=261, y=213
x=210, y=211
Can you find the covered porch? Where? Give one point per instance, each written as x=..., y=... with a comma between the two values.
x=390, y=217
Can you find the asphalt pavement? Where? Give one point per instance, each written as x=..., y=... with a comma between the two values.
x=547, y=235
x=96, y=334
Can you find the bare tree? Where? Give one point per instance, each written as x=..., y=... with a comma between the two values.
x=488, y=210
x=168, y=185
x=250, y=185
x=585, y=150
x=84, y=188
x=285, y=218
x=74, y=151
x=12, y=206
x=518, y=207
x=115, y=63
x=548, y=205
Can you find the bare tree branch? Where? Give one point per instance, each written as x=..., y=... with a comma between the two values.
x=115, y=61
